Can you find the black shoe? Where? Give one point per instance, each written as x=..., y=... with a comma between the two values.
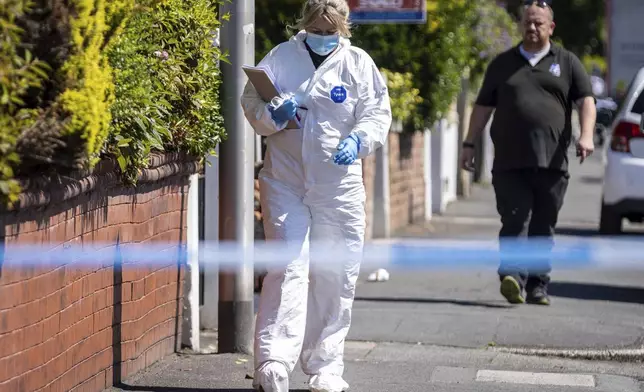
x=511, y=290
x=538, y=296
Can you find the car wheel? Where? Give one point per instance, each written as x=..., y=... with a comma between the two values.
x=610, y=222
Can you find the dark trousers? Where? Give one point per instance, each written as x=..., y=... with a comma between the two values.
x=529, y=201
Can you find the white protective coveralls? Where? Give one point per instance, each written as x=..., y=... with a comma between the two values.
x=305, y=313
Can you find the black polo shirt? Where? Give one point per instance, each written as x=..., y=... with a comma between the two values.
x=532, y=120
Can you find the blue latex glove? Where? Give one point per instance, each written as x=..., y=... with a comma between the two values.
x=285, y=112
x=348, y=150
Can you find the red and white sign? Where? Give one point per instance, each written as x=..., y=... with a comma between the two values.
x=388, y=11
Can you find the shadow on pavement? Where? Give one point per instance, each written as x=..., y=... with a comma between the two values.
x=597, y=292
x=125, y=387
x=587, y=232
x=577, y=232
x=435, y=301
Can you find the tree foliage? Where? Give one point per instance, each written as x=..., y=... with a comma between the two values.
x=437, y=54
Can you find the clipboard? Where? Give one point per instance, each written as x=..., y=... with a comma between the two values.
x=264, y=82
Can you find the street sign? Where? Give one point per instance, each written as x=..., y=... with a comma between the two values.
x=388, y=11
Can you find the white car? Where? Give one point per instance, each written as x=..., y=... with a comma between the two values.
x=623, y=188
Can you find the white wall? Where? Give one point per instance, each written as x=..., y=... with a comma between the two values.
x=444, y=152
x=626, y=40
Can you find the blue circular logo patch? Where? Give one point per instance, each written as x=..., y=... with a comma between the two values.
x=338, y=94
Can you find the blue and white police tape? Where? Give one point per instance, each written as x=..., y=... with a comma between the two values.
x=411, y=254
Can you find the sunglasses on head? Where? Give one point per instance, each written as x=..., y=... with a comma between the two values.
x=539, y=3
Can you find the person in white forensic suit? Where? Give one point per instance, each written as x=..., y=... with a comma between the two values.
x=312, y=194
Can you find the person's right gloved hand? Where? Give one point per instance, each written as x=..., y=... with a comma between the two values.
x=285, y=112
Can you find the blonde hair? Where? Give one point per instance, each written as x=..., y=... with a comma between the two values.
x=335, y=12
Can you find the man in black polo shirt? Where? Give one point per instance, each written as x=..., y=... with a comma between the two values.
x=531, y=90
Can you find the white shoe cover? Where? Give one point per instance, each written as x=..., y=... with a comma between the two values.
x=327, y=383
x=271, y=377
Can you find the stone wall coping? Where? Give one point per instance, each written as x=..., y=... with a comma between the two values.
x=40, y=191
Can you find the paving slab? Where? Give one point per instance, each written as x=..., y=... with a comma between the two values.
x=395, y=367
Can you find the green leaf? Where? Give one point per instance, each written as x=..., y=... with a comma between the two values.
x=122, y=162
x=140, y=123
x=4, y=187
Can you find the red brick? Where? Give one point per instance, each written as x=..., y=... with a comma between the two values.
x=21, y=316
x=100, y=300
x=35, y=379
x=52, y=348
x=130, y=274
x=87, y=287
x=4, y=369
x=87, y=307
x=53, y=303
x=126, y=291
x=55, y=368
x=130, y=311
x=69, y=315
x=69, y=379
x=10, y=295
x=103, y=319
x=108, y=276
x=138, y=290
x=71, y=293
x=128, y=351
x=17, y=384
x=131, y=330
x=109, y=377
x=96, y=281
x=11, y=343
x=56, y=321
x=33, y=334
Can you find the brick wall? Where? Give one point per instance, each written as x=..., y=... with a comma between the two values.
x=407, y=180
x=83, y=325
x=406, y=177
x=368, y=176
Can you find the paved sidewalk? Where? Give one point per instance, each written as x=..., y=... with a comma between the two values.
x=451, y=331
x=591, y=310
x=477, y=215
x=393, y=367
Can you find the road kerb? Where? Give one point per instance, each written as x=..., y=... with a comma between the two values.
x=621, y=355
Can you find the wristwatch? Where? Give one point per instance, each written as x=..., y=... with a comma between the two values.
x=468, y=145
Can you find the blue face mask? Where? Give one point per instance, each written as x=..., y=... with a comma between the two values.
x=322, y=44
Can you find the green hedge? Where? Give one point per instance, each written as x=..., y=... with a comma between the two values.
x=82, y=80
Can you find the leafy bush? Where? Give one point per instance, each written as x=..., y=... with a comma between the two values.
x=88, y=75
x=86, y=79
x=404, y=96
x=73, y=105
x=19, y=72
x=167, y=81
